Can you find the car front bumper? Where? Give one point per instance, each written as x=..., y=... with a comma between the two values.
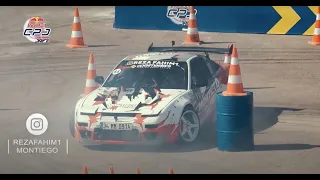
x=152, y=135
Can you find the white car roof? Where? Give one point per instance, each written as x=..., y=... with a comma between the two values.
x=156, y=56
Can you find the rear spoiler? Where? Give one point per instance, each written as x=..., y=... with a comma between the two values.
x=190, y=49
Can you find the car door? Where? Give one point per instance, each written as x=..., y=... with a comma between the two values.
x=217, y=79
x=201, y=82
x=218, y=74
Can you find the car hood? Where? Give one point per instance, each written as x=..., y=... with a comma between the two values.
x=115, y=100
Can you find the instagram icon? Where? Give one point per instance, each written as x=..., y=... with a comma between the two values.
x=37, y=124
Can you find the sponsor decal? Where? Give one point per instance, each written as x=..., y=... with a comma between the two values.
x=179, y=14
x=152, y=64
x=115, y=106
x=112, y=107
x=116, y=71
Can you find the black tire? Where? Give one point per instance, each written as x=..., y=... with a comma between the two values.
x=180, y=139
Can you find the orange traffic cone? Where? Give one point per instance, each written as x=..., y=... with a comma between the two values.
x=234, y=86
x=111, y=171
x=76, y=40
x=171, y=171
x=192, y=32
x=227, y=58
x=85, y=170
x=316, y=34
x=138, y=171
x=91, y=85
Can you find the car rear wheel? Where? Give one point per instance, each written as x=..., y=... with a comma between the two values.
x=189, y=126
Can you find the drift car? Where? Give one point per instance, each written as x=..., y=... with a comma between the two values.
x=165, y=95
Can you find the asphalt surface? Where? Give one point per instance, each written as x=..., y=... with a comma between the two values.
x=282, y=71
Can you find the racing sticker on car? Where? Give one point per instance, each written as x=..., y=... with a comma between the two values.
x=151, y=64
x=129, y=106
x=202, y=99
x=210, y=92
x=116, y=71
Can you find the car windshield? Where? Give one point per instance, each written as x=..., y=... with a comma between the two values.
x=163, y=74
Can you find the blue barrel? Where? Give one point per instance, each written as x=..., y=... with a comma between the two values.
x=234, y=122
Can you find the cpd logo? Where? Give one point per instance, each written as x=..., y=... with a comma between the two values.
x=179, y=14
x=37, y=124
x=35, y=30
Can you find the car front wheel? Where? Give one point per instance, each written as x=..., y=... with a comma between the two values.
x=189, y=126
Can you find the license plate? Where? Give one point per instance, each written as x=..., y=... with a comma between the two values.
x=117, y=126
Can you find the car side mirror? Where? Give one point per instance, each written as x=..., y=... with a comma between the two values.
x=99, y=79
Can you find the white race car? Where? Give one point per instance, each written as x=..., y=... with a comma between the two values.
x=165, y=95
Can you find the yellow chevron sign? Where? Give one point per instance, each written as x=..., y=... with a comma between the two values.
x=288, y=19
x=311, y=28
